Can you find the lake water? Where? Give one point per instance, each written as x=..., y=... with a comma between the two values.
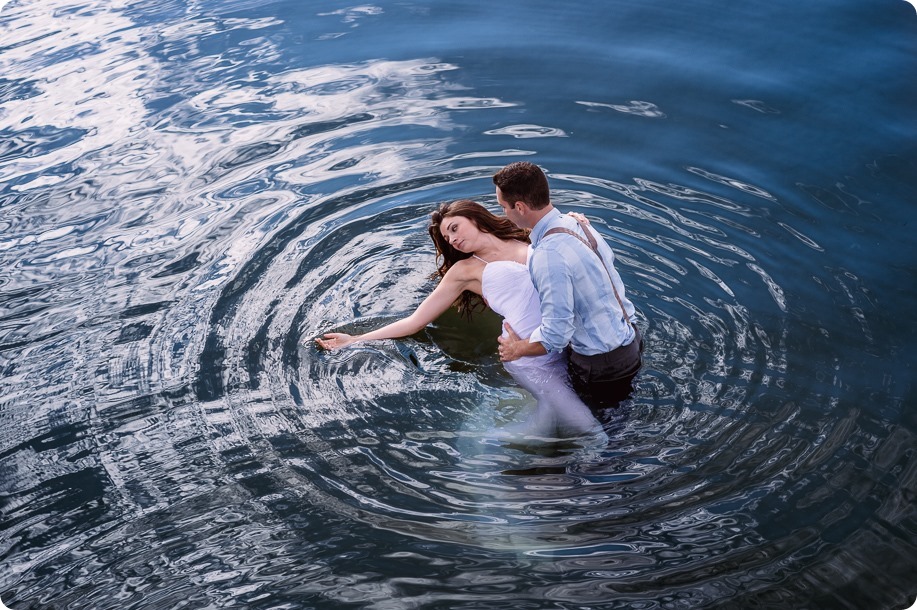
x=191, y=191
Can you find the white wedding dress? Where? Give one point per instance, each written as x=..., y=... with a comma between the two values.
x=558, y=413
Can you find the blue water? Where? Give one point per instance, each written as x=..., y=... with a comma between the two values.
x=190, y=192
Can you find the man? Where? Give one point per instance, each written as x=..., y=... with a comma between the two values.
x=583, y=305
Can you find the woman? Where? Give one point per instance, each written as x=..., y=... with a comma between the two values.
x=483, y=262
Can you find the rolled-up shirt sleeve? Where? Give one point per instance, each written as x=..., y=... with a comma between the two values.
x=555, y=291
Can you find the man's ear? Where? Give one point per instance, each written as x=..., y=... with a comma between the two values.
x=522, y=207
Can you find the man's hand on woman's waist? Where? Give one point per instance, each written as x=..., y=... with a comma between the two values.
x=512, y=347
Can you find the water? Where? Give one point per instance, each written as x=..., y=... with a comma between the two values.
x=189, y=192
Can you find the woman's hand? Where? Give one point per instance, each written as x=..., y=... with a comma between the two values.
x=336, y=340
x=579, y=218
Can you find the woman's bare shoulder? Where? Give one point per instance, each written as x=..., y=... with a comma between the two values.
x=466, y=269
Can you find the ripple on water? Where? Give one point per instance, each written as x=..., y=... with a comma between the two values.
x=340, y=400
x=395, y=436
x=172, y=436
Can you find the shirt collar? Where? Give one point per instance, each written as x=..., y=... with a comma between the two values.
x=542, y=225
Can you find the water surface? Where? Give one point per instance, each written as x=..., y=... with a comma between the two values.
x=190, y=192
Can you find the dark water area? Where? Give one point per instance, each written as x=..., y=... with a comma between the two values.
x=190, y=192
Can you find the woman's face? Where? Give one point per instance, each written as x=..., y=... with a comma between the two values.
x=461, y=233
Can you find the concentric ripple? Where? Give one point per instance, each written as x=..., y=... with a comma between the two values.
x=400, y=436
x=397, y=435
x=192, y=193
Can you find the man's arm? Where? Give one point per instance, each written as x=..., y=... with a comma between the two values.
x=553, y=281
x=512, y=347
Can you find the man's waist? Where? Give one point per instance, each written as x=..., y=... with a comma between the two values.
x=595, y=347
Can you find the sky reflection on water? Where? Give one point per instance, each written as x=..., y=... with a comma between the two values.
x=191, y=192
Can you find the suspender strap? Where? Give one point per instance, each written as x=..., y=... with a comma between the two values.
x=592, y=245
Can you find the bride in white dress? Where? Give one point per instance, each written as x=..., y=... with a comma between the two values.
x=482, y=257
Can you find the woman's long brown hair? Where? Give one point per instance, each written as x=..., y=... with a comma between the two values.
x=446, y=256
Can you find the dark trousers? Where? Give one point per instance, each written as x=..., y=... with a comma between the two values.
x=604, y=380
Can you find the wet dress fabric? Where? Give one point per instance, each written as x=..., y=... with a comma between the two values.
x=558, y=412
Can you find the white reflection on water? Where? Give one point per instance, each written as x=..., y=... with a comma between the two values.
x=103, y=79
x=191, y=180
x=636, y=107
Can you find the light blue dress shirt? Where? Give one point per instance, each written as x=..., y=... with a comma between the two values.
x=578, y=305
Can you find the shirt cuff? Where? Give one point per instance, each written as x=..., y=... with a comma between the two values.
x=538, y=337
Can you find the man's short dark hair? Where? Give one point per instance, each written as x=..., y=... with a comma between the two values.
x=524, y=181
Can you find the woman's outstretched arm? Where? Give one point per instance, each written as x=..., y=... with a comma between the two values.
x=432, y=307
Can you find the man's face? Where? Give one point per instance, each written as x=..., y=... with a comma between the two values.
x=511, y=211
